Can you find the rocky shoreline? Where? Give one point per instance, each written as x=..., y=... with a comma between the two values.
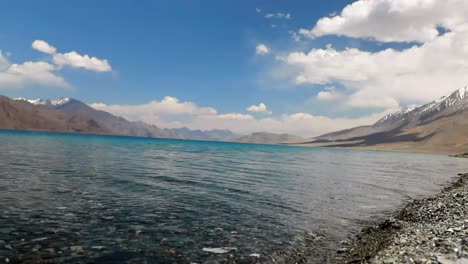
x=431, y=230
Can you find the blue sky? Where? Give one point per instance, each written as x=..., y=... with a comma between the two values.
x=193, y=50
x=204, y=53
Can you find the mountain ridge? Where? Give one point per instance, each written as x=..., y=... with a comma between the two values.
x=116, y=125
x=121, y=126
x=437, y=126
x=22, y=115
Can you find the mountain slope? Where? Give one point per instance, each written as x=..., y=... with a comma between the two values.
x=269, y=138
x=118, y=125
x=25, y=116
x=121, y=126
x=439, y=126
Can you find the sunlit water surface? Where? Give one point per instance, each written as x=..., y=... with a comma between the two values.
x=110, y=199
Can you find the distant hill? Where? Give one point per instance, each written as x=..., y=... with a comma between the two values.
x=269, y=138
x=439, y=126
x=211, y=135
x=22, y=115
x=118, y=125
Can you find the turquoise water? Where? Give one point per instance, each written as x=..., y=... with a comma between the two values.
x=106, y=199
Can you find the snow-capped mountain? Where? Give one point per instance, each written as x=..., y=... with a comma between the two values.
x=457, y=100
x=46, y=102
x=20, y=115
x=403, y=114
x=442, y=123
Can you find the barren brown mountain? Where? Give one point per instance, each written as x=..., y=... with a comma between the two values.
x=22, y=115
x=438, y=127
x=120, y=126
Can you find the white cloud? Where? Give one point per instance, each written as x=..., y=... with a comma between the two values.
x=262, y=49
x=329, y=94
x=388, y=77
x=296, y=37
x=258, y=10
x=73, y=58
x=173, y=113
x=43, y=73
x=43, y=46
x=27, y=73
x=301, y=124
x=363, y=99
x=279, y=15
x=4, y=63
x=167, y=107
x=312, y=125
x=260, y=108
x=234, y=116
x=394, y=20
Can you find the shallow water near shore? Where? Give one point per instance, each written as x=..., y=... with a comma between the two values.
x=104, y=199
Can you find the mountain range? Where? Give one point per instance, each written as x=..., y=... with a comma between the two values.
x=22, y=115
x=439, y=126
x=72, y=115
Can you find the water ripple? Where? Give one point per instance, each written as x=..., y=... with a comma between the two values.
x=115, y=198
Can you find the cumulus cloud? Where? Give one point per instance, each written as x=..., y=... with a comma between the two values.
x=278, y=15
x=42, y=46
x=73, y=58
x=262, y=49
x=45, y=73
x=394, y=20
x=309, y=125
x=329, y=94
x=234, y=116
x=27, y=73
x=260, y=108
x=167, y=106
x=387, y=77
x=170, y=112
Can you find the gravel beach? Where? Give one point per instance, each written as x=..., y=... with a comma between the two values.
x=431, y=230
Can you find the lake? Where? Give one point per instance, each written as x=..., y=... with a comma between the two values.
x=108, y=199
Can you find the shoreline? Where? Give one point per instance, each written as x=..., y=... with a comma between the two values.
x=382, y=148
x=390, y=148
x=429, y=230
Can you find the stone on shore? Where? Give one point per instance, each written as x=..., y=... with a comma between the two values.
x=431, y=230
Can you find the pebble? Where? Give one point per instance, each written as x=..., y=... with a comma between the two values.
x=222, y=250
x=76, y=248
x=432, y=230
x=39, y=239
x=98, y=247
